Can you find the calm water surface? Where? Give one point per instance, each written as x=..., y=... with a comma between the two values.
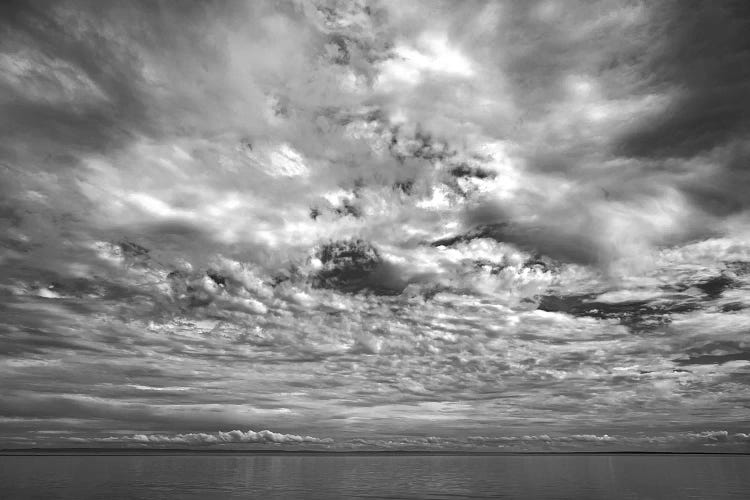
x=333, y=477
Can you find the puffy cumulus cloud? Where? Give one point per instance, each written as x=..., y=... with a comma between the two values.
x=372, y=220
x=201, y=438
x=674, y=440
x=682, y=441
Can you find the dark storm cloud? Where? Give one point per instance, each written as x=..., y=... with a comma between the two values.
x=354, y=266
x=701, y=57
x=636, y=314
x=715, y=352
x=709, y=359
x=72, y=86
x=702, y=52
x=536, y=239
x=721, y=192
x=85, y=77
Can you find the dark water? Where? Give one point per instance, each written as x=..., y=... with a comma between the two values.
x=332, y=477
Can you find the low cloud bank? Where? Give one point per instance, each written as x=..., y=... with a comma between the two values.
x=715, y=440
x=220, y=437
x=546, y=442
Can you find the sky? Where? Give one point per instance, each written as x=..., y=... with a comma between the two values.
x=482, y=226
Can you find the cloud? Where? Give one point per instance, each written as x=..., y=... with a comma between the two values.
x=201, y=438
x=555, y=442
x=673, y=440
x=373, y=221
x=706, y=79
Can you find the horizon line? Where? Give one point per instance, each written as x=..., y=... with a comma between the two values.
x=156, y=451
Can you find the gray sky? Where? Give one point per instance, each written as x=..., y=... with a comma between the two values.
x=387, y=225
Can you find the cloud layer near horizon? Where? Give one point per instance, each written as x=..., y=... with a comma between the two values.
x=370, y=220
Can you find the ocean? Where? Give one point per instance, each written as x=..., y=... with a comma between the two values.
x=291, y=476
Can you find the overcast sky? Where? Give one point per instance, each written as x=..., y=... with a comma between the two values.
x=441, y=225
